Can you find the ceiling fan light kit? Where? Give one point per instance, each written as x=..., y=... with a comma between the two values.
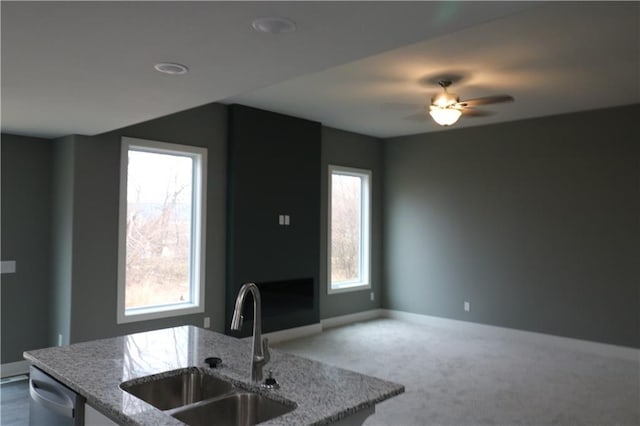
x=443, y=108
x=444, y=116
x=446, y=108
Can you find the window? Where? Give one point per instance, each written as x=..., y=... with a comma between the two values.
x=349, y=229
x=162, y=230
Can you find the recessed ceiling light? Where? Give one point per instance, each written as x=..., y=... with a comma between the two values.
x=273, y=25
x=171, y=68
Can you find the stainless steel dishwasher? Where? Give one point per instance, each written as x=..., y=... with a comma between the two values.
x=52, y=403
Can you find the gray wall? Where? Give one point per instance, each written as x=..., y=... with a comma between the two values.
x=26, y=178
x=95, y=221
x=535, y=222
x=351, y=150
x=74, y=229
x=61, y=239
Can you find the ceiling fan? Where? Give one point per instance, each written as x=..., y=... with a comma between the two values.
x=446, y=108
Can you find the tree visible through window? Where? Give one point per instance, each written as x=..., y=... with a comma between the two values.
x=159, y=214
x=345, y=228
x=163, y=244
x=349, y=228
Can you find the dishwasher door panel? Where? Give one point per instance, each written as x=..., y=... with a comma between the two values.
x=52, y=403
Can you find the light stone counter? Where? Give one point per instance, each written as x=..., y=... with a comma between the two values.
x=323, y=394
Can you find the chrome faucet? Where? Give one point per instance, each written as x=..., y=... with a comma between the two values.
x=260, y=348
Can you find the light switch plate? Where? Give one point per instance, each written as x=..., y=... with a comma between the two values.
x=8, y=267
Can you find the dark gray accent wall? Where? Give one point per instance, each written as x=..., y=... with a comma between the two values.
x=25, y=211
x=274, y=169
x=535, y=223
x=348, y=149
x=96, y=177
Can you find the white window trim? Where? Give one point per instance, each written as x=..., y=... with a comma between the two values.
x=199, y=229
x=365, y=282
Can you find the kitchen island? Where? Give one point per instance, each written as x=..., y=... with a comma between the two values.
x=322, y=394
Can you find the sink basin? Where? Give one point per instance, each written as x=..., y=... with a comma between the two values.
x=194, y=397
x=237, y=409
x=177, y=388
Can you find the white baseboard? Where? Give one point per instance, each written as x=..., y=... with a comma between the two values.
x=293, y=333
x=351, y=318
x=14, y=369
x=309, y=330
x=586, y=346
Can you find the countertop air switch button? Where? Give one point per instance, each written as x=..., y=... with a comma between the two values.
x=213, y=361
x=270, y=382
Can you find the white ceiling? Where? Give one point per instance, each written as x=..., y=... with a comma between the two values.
x=87, y=67
x=553, y=59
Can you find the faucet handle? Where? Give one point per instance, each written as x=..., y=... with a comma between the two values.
x=265, y=350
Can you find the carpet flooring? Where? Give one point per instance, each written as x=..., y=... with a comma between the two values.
x=468, y=377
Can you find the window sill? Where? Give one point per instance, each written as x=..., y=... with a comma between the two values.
x=151, y=313
x=349, y=288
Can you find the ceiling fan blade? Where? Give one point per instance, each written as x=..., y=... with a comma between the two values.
x=486, y=100
x=470, y=112
x=400, y=106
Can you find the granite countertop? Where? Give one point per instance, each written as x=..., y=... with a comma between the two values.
x=323, y=393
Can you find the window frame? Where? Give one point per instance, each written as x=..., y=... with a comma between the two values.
x=366, y=176
x=198, y=231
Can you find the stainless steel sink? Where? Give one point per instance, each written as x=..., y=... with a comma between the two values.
x=195, y=398
x=238, y=409
x=177, y=388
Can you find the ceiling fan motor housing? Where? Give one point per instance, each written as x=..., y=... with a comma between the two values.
x=444, y=100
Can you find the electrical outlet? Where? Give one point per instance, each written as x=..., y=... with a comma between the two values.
x=207, y=322
x=373, y=296
x=59, y=339
x=467, y=306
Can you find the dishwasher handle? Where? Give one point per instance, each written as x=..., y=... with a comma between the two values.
x=38, y=391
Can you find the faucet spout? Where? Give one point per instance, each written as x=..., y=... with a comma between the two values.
x=260, y=347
